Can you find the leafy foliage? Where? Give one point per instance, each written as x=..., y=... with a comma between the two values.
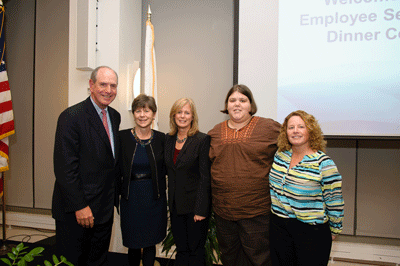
x=20, y=257
x=213, y=253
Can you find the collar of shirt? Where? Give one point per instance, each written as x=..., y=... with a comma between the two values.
x=98, y=109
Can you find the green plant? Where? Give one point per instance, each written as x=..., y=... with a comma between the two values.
x=213, y=253
x=20, y=257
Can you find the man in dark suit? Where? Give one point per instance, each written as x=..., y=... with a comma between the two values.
x=85, y=165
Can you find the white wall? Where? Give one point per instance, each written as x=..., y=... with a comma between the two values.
x=119, y=35
x=78, y=81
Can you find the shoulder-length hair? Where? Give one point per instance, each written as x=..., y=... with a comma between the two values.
x=243, y=89
x=176, y=107
x=316, y=137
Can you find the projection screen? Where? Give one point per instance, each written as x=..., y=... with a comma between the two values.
x=336, y=59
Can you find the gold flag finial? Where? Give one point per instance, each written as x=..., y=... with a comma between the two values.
x=149, y=14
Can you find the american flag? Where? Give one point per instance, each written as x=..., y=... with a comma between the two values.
x=6, y=111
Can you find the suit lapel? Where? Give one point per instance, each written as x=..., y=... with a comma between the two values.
x=183, y=150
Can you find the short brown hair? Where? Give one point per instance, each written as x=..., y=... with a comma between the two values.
x=176, y=107
x=243, y=89
x=142, y=101
x=316, y=137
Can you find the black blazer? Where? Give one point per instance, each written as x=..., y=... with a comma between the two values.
x=85, y=168
x=189, y=181
x=155, y=153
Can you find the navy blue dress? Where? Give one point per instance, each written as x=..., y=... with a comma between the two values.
x=142, y=224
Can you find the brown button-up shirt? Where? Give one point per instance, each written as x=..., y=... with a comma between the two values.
x=241, y=161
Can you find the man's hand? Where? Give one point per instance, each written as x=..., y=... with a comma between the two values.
x=198, y=218
x=84, y=217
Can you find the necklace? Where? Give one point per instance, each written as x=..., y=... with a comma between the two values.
x=180, y=140
x=141, y=142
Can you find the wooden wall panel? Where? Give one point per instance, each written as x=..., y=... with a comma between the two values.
x=378, y=186
x=19, y=30
x=51, y=90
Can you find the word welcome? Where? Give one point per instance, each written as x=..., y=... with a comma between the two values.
x=344, y=2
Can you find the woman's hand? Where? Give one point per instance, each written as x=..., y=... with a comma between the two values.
x=333, y=237
x=198, y=218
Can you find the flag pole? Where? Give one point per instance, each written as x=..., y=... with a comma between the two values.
x=5, y=248
x=150, y=74
x=3, y=208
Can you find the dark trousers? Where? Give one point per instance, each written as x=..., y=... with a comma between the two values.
x=190, y=238
x=83, y=246
x=294, y=243
x=244, y=242
x=148, y=258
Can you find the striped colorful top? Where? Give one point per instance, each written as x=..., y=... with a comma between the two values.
x=311, y=191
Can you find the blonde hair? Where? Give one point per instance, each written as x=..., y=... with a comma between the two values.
x=176, y=107
x=316, y=137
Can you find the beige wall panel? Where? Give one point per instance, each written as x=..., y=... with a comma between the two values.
x=19, y=37
x=378, y=187
x=51, y=90
x=194, y=52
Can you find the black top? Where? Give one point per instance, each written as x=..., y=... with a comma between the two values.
x=189, y=183
x=155, y=153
